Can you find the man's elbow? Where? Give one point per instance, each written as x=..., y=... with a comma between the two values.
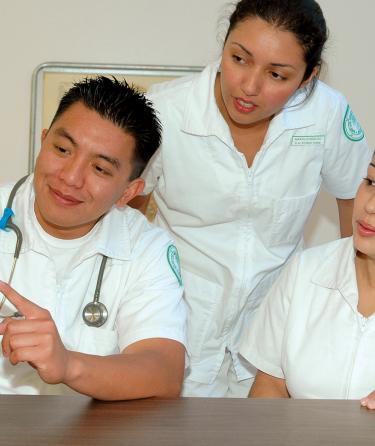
x=173, y=381
x=173, y=390
x=173, y=384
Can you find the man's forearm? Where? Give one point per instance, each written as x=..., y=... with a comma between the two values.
x=130, y=375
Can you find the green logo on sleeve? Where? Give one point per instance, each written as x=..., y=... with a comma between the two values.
x=174, y=262
x=351, y=126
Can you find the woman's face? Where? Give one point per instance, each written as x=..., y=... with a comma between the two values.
x=262, y=66
x=364, y=214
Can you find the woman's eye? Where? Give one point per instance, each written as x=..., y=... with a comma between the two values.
x=277, y=76
x=238, y=59
x=369, y=181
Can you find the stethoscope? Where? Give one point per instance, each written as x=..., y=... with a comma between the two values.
x=94, y=313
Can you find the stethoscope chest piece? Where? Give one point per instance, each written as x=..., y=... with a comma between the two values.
x=95, y=314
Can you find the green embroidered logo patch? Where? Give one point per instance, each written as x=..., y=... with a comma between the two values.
x=351, y=126
x=174, y=262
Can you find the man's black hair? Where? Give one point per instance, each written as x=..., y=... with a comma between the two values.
x=123, y=105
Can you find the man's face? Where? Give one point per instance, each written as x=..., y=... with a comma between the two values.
x=82, y=170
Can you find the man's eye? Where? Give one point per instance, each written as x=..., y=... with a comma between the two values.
x=102, y=171
x=369, y=181
x=61, y=149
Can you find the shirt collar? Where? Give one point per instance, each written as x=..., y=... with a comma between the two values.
x=337, y=272
x=112, y=238
x=203, y=118
x=114, y=234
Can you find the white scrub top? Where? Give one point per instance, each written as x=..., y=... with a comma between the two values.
x=140, y=288
x=309, y=332
x=236, y=226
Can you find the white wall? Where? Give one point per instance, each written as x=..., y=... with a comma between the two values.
x=158, y=32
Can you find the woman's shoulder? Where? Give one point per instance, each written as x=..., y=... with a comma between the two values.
x=177, y=89
x=173, y=99
x=326, y=95
x=330, y=250
x=173, y=90
x=317, y=264
x=323, y=105
x=169, y=98
x=179, y=83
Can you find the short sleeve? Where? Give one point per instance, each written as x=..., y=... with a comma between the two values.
x=347, y=153
x=153, y=306
x=263, y=343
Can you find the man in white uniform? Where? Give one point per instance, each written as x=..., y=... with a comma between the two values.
x=73, y=214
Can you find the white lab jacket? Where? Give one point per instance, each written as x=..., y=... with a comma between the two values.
x=234, y=226
x=139, y=289
x=309, y=331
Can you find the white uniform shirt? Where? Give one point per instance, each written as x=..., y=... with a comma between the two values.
x=139, y=288
x=309, y=331
x=235, y=226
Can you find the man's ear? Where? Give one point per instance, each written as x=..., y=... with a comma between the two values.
x=313, y=74
x=133, y=189
x=43, y=135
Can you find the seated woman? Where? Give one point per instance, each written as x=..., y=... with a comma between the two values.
x=314, y=335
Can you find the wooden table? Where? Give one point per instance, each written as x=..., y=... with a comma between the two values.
x=62, y=420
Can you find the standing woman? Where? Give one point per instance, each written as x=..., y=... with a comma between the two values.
x=247, y=144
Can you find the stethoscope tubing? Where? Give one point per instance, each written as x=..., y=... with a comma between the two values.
x=95, y=313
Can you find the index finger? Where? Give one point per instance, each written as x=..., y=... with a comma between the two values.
x=23, y=305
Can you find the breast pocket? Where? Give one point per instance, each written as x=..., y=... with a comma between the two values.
x=92, y=340
x=284, y=219
x=202, y=297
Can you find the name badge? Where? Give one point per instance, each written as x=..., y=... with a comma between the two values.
x=315, y=140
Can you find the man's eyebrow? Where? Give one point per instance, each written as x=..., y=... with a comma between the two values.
x=114, y=161
x=372, y=164
x=62, y=132
x=275, y=64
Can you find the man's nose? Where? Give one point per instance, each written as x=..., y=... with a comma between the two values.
x=73, y=172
